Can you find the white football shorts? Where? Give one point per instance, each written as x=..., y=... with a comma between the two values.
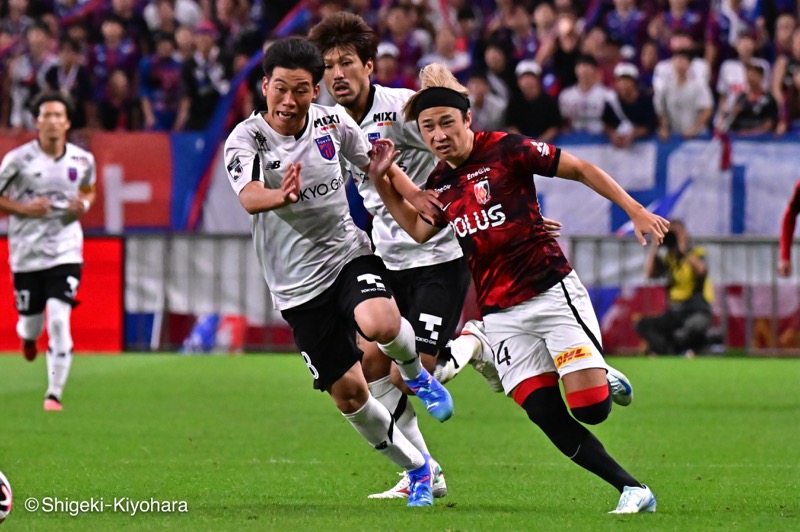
x=555, y=331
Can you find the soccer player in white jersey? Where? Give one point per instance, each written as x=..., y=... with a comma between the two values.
x=285, y=164
x=430, y=280
x=46, y=185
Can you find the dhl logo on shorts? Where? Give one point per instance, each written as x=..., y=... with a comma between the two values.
x=573, y=354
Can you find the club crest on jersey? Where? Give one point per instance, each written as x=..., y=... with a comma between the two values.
x=72, y=173
x=235, y=169
x=326, y=147
x=482, y=194
x=372, y=137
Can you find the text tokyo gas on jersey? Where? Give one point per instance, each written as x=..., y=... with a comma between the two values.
x=481, y=220
x=321, y=189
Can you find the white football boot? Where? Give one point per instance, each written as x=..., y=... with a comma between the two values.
x=483, y=359
x=634, y=500
x=400, y=490
x=621, y=389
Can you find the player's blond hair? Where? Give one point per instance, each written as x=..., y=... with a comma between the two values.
x=434, y=75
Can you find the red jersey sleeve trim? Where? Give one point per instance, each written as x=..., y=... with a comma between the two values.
x=554, y=165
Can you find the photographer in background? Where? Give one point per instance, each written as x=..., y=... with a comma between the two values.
x=684, y=327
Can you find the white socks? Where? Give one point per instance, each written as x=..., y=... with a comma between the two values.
x=389, y=396
x=30, y=327
x=375, y=424
x=403, y=350
x=462, y=350
x=59, y=354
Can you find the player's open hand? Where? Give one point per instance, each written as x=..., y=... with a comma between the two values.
x=290, y=185
x=38, y=208
x=552, y=226
x=381, y=157
x=645, y=222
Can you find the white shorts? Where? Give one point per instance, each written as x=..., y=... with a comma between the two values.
x=555, y=331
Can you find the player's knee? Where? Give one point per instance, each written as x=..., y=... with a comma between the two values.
x=539, y=397
x=30, y=327
x=591, y=405
x=381, y=323
x=58, y=314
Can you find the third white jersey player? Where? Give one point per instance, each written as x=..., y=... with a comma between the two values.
x=384, y=119
x=27, y=173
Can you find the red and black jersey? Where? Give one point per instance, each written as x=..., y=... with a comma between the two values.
x=490, y=202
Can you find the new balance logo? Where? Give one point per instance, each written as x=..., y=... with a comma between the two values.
x=431, y=322
x=272, y=165
x=374, y=281
x=382, y=445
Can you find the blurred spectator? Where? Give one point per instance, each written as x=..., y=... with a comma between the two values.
x=457, y=61
x=582, y=104
x=729, y=20
x=789, y=116
x=785, y=68
x=184, y=43
x=754, y=111
x=544, y=22
x=628, y=114
x=115, y=52
x=488, y=110
x=15, y=20
x=71, y=77
x=498, y=70
x=26, y=77
x=665, y=71
x=232, y=19
x=182, y=13
x=781, y=45
x=683, y=104
x=78, y=33
x=517, y=34
x=677, y=18
x=205, y=77
x=532, y=111
x=732, y=79
x=626, y=24
x=412, y=42
x=160, y=85
x=685, y=325
x=387, y=69
x=648, y=60
x=565, y=53
x=133, y=23
x=119, y=109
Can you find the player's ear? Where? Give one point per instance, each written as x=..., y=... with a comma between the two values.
x=264, y=83
x=316, y=92
x=467, y=119
x=370, y=66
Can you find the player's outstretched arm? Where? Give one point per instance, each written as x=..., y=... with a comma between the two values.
x=382, y=157
x=426, y=204
x=255, y=197
x=644, y=222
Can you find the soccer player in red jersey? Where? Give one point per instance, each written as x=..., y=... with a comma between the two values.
x=787, y=232
x=538, y=315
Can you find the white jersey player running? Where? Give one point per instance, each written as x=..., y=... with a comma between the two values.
x=430, y=280
x=47, y=184
x=285, y=164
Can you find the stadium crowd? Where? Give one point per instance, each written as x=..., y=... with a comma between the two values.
x=623, y=68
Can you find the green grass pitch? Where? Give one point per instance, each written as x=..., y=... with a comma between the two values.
x=248, y=445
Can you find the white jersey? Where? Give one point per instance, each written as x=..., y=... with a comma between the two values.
x=303, y=246
x=27, y=173
x=384, y=119
x=584, y=110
